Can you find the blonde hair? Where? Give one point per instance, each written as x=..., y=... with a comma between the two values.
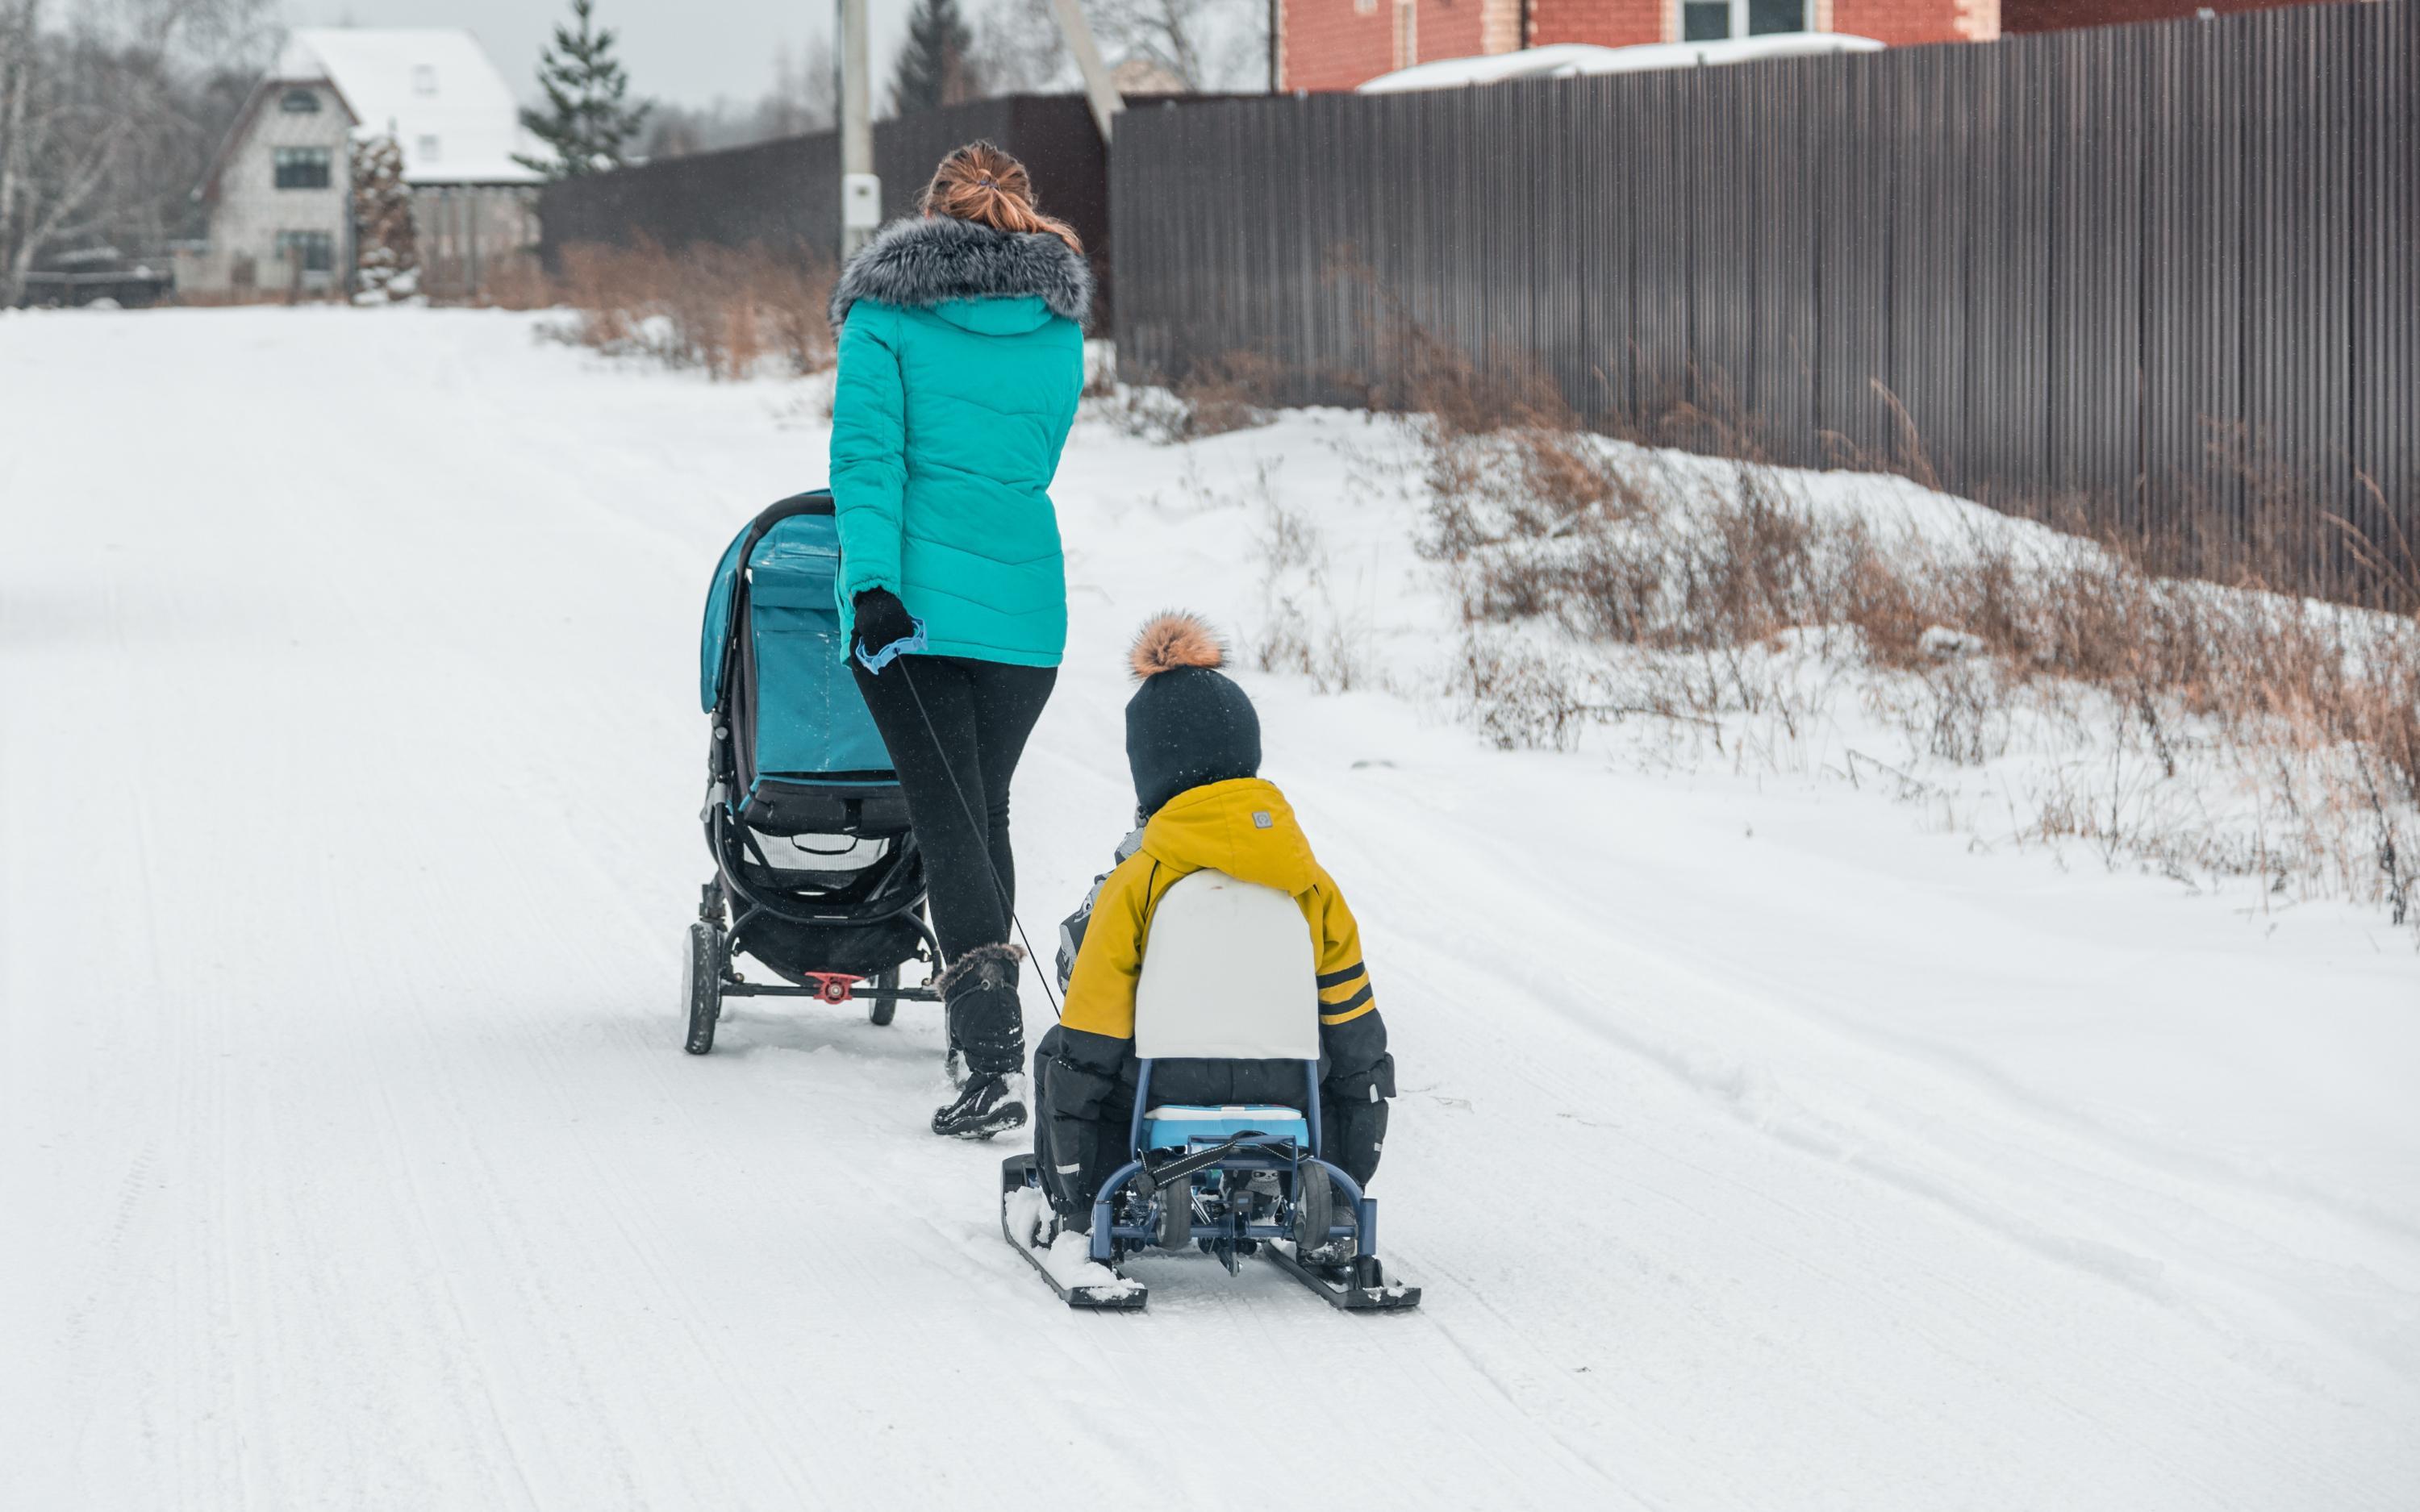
x=979, y=182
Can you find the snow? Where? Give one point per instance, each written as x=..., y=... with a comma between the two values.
x=1069, y=1256
x=1579, y=60
x=423, y=85
x=1762, y=1143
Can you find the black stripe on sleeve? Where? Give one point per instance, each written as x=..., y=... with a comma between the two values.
x=1349, y=1004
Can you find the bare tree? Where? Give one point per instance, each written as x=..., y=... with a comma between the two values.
x=1203, y=44
x=805, y=94
x=56, y=151
x=1018, y=43
x=104, y=121
x=800, y=101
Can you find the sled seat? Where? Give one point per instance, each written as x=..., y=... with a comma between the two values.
x=1229, y=973
x=1179, y=1125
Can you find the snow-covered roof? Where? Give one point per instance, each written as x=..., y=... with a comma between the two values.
x=1574, y=60
x=434, y=87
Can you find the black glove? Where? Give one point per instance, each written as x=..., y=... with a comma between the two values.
x=881, y=620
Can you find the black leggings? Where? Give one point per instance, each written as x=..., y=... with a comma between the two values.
x=955, y=776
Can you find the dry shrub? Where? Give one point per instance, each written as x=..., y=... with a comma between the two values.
x=231, y=298
x=1713, y=594
x=722, y=309
x=1435, y=379
x=1302, y=629
x=516, y=283
x=1214, y=396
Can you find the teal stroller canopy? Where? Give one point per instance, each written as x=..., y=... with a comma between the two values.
x=802, y=715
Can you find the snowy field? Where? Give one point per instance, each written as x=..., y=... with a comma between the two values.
x=1761, y=1147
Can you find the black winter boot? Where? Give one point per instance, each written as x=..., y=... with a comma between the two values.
x=985, y=1106
x=986, y=1028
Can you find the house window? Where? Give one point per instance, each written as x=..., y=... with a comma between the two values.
x=424, y=80
x=428, y=148
x=1715, y=21
x=1407, y=33
x=299, y=103
x=1765, y=17
x=314, y=251
x=302, y=167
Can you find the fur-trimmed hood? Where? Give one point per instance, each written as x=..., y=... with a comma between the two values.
x=927, y=260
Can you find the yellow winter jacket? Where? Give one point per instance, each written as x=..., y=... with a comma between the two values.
x=1246, y=829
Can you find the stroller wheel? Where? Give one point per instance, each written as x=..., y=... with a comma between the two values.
x=702, y=985
x=885, y=1003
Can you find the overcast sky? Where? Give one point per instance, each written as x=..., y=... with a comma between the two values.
x=685, y=51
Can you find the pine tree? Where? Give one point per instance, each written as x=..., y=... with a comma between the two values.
x=936, y=65
x=585, y=120
x=386, y=249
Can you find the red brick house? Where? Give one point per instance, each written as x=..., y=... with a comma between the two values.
x=1335, y=44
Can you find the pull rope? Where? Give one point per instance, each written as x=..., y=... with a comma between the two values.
x=982, y=833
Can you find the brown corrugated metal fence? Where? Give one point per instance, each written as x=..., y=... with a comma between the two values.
x=785, y=195
x=2155, y=279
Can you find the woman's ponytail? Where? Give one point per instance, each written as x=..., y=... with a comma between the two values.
x=980, y=183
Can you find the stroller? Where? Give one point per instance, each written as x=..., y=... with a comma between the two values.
x=1229, y=974
x=817, y=878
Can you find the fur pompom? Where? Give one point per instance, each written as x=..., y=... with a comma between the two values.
x=1175, y=639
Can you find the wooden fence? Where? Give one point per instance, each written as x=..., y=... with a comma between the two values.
x=2157, y=280
x=785, y=195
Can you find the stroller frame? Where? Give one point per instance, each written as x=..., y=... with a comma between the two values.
x=729, y=903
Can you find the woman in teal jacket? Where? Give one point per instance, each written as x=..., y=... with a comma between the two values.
x=961, y=356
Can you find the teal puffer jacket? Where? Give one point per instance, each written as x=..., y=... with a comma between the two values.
x=961, y=357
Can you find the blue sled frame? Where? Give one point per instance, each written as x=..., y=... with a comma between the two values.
x=1205, y=1196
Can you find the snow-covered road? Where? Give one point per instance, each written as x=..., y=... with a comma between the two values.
x=1757, y=1149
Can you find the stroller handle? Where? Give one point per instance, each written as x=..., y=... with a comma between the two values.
x=814, y=502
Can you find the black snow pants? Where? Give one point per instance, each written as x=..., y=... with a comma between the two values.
x=956, y=727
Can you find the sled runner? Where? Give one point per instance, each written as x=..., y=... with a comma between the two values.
x=1228, y=974
x=816, y=873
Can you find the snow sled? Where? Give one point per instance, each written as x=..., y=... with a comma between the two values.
x=1229, y=973
x=816, y=875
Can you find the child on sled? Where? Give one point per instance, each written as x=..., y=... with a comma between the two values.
x=1193, y=742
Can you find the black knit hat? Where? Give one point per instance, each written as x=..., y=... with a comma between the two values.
x=1186, y=725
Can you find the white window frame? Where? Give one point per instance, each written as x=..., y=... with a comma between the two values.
x=430, y=149
x=1739, y=20
x=1406, y=39
x=298, y=161
x=424, y=79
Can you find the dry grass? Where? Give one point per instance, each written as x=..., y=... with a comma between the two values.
x=2214, y=727
x=1714, y=596
x=516, y=283
x=235, y=298
x=1215, y=397
x=722, y=309
x=1303, y=630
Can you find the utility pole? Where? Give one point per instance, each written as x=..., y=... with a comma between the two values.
x=860, y=193
x=1098, y=87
